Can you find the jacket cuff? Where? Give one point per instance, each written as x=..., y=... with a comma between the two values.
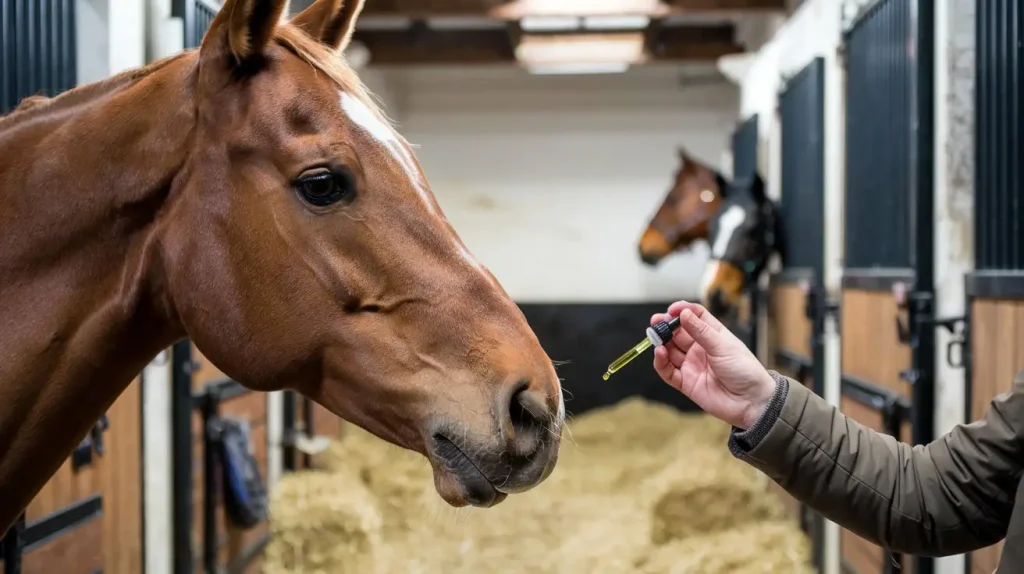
x=741, y=442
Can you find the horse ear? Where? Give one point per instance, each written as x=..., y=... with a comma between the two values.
x=332, y=22
x=243, y=28
x=683, y=154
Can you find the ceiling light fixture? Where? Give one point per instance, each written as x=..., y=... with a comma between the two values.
x=625, y=22
x=522, y=8
x=576, y=69
x=549, y=23
x=628, y=48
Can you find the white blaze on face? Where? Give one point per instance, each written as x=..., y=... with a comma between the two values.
x=359, y=113
x=386, y=136
x=728, y=223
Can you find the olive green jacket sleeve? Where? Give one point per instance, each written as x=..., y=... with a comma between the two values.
x=953, y=495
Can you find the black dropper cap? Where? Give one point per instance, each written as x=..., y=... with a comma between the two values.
x=664, y=330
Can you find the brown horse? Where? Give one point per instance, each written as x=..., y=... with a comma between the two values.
x=683, y=217
x=250, y=196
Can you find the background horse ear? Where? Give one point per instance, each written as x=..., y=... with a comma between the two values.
x=330, y=21
x=243, y=27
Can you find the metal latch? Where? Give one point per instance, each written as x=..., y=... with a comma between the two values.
x=82, y=455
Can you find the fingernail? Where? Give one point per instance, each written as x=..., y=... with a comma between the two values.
x=685, y=316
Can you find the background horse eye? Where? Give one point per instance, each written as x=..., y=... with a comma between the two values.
x=324, y=189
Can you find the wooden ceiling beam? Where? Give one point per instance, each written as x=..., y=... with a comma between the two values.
x=698, y=43
x=726, y=5
x=428, y=8
x=425, y=46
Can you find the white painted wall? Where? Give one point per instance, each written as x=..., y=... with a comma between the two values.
x=110, y=37
x=551, y=180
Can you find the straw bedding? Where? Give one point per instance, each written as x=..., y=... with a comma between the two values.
x=639, y=488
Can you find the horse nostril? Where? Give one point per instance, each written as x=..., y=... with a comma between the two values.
x=648, y=258
x=528, y=418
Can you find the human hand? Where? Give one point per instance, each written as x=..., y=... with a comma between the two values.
x=708, y=364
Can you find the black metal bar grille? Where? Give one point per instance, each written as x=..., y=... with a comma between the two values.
x=879, y=75
x=37, y=49
x=744, y=149
x=197, y=16
x=803, y=168
x=999, y=171
x=744, y=158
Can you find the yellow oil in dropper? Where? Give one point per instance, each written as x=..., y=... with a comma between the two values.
x=656, y=336
x=626, y=358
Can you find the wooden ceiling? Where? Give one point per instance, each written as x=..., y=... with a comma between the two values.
x=466, y=32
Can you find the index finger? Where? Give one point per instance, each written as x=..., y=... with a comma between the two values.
x=697, y=309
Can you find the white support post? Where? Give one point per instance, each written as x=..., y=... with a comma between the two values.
x=835, y=190
x=955, y=65
x=157, y=465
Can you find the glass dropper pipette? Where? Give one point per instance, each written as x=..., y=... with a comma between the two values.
x=657, y=335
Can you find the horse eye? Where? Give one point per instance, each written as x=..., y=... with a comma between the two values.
x=324, y=189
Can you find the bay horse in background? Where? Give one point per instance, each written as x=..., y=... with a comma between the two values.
x=250, y=196
x=683, y=217
x=743, y=236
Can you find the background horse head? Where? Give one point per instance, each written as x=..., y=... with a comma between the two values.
x=743, y=236
x=683, y=216
x=250, y=196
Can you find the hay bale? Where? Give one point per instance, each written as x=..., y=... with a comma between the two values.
x=323, y=522
x=756, y=548
x=635, y=484
x=708, y=491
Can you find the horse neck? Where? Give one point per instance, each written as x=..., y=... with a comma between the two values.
x=82, y=181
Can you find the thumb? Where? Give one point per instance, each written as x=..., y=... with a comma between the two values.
x=704, y=334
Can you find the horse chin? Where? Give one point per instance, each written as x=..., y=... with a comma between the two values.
x=466, y=488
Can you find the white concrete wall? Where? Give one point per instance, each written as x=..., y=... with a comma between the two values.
x=551, y=180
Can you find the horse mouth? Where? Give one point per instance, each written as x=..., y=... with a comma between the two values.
x=458, y=479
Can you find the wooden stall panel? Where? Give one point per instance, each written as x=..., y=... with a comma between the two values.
x=871, y=348
x=121, y=477
x=207, y=371
x=788, y=330
x=997, y=329
x=326, y=423
x=791, y=330
x=863, y=556
x=80, y=551
x=112, y=541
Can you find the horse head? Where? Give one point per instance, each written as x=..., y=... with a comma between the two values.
x=684, y=214
x=303, y=248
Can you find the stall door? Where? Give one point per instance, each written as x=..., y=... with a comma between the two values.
x=888, y=338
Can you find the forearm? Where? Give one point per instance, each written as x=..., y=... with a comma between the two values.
x=916, y=500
